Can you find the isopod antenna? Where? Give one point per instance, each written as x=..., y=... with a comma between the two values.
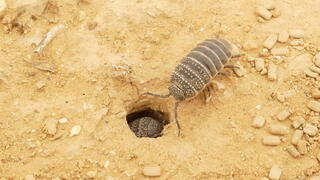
x=176, y=115
x=157, y=95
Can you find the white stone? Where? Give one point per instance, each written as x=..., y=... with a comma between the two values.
x=258, y=122
x=275, y=172
x=283, y=36
x=63, y=120
x=263, y=12
x=75, y=130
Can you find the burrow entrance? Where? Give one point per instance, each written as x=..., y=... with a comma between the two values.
x=147, y=122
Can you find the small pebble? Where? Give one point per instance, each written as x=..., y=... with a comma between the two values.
x=270, y=41
x=318, y=156
x=309, y=73
x=315, y=69
x=152, y=171
x=297, y=135
x=63, y=120
x=284, y=114
x=3, y=5
x=298, y=122
x=40, y=84
x=283, y=37
x=276, y=12
x=258, y=122
x=293, y=151
x=314, y=105
x=259, y=64
x=239, y=71
x=106, y=164
x=315, y=178
x=75, y=130
x=310, y=129
x=271, y=140
x=283, y=51
x=263, y=12
x=302, y=146
x=317, y=59
x=296, y=33
x=278, y=130
x=264, y=52
x=275, y=172
x=316, y=93
x=29, y=177
x=272, y=71
x=92, y=174
x=51, y=126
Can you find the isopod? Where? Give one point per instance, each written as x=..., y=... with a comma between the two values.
x=195, y=71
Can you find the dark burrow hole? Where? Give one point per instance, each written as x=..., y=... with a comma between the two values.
x=147, y=122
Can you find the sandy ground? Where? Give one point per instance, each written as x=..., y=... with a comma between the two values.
x=110, y=52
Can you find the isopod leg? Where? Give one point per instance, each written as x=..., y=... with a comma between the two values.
x=231, y=66
x=176, y=116
x=237, y=55
x=224, y=74
x=207, y=93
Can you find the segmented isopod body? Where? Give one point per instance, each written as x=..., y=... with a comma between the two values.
x=197, y=69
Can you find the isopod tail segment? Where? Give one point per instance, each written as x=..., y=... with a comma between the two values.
x=175, y=107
